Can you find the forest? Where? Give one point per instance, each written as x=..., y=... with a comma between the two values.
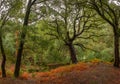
x=59, y=41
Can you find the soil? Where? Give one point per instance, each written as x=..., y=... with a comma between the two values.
x=99, y=73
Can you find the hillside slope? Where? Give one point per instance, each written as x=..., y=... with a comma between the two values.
x=81, y=73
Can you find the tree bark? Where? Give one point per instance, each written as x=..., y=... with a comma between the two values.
x=72, y=53
x=3, y=58
x=116, y=50
x=21, y=44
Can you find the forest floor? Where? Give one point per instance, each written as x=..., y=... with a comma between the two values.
x=81, y=73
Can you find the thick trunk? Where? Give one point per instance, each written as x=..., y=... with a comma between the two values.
x=3, y=58
x=72, y=53
x=116, y=50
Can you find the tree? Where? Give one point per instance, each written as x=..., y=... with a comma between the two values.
x=22, y=38
x=3, y=21
x=6, y=11
x=110, y=12
x=69, y=20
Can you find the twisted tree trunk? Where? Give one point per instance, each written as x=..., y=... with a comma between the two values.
x=72, y=53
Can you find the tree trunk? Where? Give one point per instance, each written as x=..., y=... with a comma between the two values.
x=116, y=50
x=72, y=53
x=3, y=58
x=21, y=44
x=18, y=61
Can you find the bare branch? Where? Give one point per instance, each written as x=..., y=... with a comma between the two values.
x=91, y=36
x=83, y=47
x=33, y=2
x=100, y=11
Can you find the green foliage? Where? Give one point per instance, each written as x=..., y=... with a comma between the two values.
x=45, y=43
x=106, y=54
x=15, y=7
x=9, y=43
x=53, y=56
